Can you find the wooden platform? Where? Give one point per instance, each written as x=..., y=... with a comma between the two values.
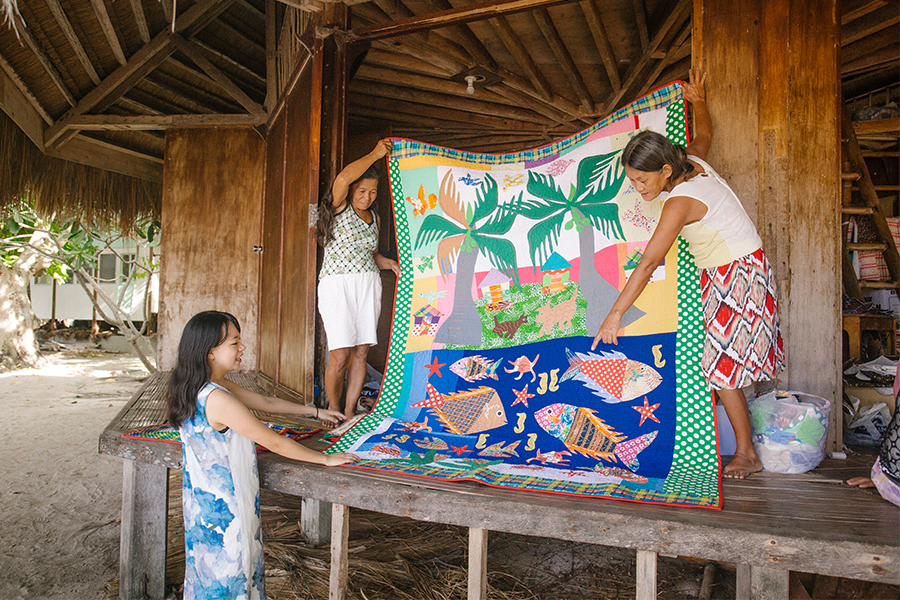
x=771, y=524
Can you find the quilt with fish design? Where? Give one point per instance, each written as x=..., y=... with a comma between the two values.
x=509, y=265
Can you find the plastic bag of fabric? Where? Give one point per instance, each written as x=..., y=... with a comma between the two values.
x=790, y=430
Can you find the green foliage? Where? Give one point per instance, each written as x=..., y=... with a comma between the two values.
x=589, y=201
x=76, y=245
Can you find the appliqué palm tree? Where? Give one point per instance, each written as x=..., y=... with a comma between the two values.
x=463, y=232
x=589, y=202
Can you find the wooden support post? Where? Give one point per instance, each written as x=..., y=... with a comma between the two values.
x=315, y=521
x=742, y=582
x=767, y=583
x=645, y=578
x=478, y=563
x=340, y=531
x=142, y=552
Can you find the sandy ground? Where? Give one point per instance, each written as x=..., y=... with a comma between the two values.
x=60, y=500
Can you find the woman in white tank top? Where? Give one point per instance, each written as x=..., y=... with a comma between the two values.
x=740, y=308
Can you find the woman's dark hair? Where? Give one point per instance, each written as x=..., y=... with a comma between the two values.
x=325, y=226
x=202, y=333
x=649, y=151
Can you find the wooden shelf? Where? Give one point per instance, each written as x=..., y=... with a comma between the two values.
x=877, y=126
x=879, y=285
x=857, y=210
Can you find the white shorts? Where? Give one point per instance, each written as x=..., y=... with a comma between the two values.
x=350, y=306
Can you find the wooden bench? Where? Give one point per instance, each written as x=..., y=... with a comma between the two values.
x=771, y=524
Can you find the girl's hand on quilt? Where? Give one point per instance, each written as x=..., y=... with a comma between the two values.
x=609, y=330
x=339, y=458
x=694, y=91
x=863, y=482
x=331, y=417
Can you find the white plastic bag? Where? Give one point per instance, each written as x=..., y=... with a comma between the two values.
x=790, y=430
x=867, y=426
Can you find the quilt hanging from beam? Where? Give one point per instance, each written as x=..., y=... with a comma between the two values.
x=509, y=265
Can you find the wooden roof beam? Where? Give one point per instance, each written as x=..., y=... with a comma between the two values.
x=220, y=78
x=401, y=61
x=168, y=7
x=140, y=19
x=521, y=86
x=520, y=53
x=162, y=122
x=463, y=104
x=640, y=15
x=471, y=42
x=248, y=72
x=427, y=114
x=28, y=37
x=423, y=82
x=548, y=29
x=875, y=60
x=142, y=62
x=421, y=50
x=873, y=22
x=26, y=94
x=601, y=40
x=854, y=9
x=679, y=14
x=679, y=49
x=108, y=30
x=455, y=16
x=63, y=21
x=851, y=52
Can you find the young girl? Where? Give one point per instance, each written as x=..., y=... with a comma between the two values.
x=220, y=493
x=743, y=337
x=350, y=282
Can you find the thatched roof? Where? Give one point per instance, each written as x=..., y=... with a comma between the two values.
x=99, y=81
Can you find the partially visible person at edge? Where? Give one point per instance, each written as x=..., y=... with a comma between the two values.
x=349, y=282
x=220, y=488
x=740, y=308
x=885, y=475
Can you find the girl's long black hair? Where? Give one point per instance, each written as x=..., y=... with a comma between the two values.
x=325, y=225
x=203, y=332
x=650, y=151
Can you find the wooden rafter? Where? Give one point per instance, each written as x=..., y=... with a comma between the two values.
x=26, y=93
x=108, y=30
x=142, y=62
x=463, y=104
x=167, y=7
x=640, y=16
x=520, y=53
x=161, y=122
x=35, y=46
x=455, y=16
x=471, y=42
x=601, y=40
x=424, y=82
x=679, y=49
x=520, y=84
x=140, y=19
x=63, y=21
x=550, y=33
x=883, y=18
x=220, y=78
x=678, y=15
x=249, y=73
x=271, y=55
x=859, y=8
x=417, y=49
x=436, y=115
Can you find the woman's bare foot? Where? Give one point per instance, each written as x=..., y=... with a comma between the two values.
x=742, y=465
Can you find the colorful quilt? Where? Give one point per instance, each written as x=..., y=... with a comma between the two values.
x=166, y=433
x=509, y=265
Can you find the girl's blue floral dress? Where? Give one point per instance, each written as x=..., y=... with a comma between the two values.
x=220, y=495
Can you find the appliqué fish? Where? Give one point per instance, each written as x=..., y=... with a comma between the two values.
x=389, y=450
x=621, y=473
x=466, y=412
x=499, y=451
x=612, y=375
x=473, y=368
x=431, y=444
x=582, y=431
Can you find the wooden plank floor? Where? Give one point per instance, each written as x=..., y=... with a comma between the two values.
x=811, y=523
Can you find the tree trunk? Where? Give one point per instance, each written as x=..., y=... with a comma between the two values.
x=18, y=344
x=463, y=326
x=599, y=293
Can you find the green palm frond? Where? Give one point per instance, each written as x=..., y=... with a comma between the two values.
x=599, y=179
x=544, y=186
x=486, y=203
x=436, y=227
x=500, y=252
x=543, y=237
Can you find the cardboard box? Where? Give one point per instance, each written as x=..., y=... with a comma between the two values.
x=869, y=396
x=884, y=299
